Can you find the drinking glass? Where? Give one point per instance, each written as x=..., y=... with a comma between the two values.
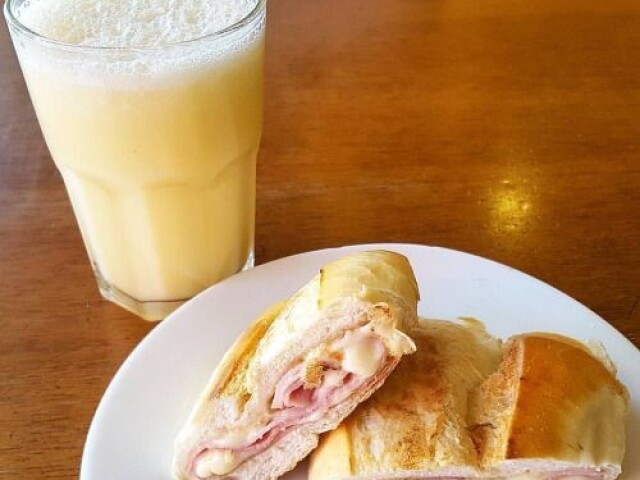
x=157, y=148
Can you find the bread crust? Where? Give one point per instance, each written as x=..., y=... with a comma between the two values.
x=227, y=378
x=334, y=455
x=569, y=406
x=374, y=276
x=553, y=404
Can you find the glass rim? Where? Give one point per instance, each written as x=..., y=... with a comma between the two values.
x=248, y=19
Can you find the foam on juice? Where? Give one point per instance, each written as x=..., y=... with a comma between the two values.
x=132, y=23
x=149, y=31
x=157, y=147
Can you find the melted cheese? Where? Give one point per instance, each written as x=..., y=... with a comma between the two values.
x=362, y=356
x=237, y=436
x=216, y=462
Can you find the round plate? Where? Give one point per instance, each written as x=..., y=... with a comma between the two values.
x=131, y=436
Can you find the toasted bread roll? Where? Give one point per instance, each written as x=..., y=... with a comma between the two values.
x=415, y=425
x=300, y=369
x=551, y=410
x=553, y=407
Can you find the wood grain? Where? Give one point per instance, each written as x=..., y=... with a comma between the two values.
x=505, y=129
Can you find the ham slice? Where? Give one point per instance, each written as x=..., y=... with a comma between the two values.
x=295, y=403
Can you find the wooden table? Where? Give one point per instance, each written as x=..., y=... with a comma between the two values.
x=509, y=129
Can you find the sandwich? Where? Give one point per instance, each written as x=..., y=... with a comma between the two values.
x=544, y=407
x=416, y=424
x=554, y=410
x=300, y=369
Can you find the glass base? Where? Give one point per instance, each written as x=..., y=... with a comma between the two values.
x=149, y=310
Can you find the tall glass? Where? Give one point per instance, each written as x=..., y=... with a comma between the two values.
x=157, y=148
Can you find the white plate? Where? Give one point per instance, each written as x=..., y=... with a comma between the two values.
x=132, y=432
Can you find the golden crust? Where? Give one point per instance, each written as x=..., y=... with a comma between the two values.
x=371, y=276
x=333, y=457
x=228, y=378
x=560, y=381
x=551, y=399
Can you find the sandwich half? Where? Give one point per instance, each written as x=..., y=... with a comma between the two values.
x=416, y=425
x=300, y=369
x=551, y=410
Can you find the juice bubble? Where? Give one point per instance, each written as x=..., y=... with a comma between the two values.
x=130, y=23
x=146, y=35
